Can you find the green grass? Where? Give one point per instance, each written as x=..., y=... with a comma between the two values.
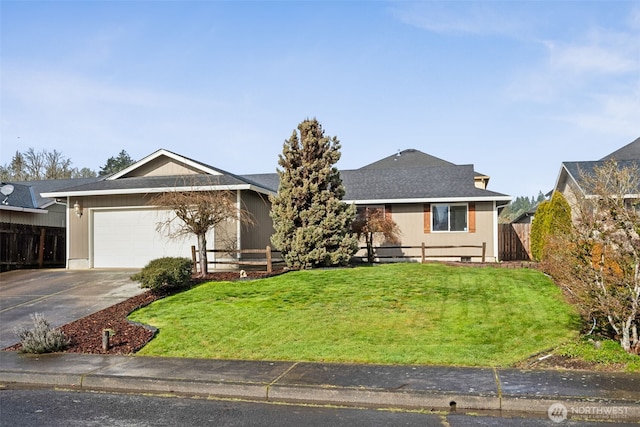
x=391, y=314
x=608, y=355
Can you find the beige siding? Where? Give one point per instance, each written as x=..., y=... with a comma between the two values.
x=569, y=190
x=55, y=217
x=410, y=219
x=252, y=237
x=163, y=166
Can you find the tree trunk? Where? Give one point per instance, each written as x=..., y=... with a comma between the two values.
x=369, y=239
x=626, y=334
x=202, y=252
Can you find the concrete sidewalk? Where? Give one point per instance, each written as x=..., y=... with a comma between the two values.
x=610, y=396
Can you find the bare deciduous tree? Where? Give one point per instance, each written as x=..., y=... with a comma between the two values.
x=373, y=224
x=598, y=263
x=197, y=212
x=35, y=165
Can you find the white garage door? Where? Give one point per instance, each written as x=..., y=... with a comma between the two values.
x=129, y=239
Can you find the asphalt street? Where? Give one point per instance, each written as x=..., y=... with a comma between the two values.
x=48, y=408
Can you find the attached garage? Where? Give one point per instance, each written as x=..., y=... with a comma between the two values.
x=112, y=222
x=127, y=238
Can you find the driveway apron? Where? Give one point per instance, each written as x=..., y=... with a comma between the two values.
x=62, y=296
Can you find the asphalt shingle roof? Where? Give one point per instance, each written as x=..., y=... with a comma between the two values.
x=409, y=175
x=146, y=182
x=413, y=183
x=579, y=169
x=630, y=151
x=408, y=159
x=27, y=194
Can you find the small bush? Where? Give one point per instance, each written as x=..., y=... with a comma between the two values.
x=42, y=338
x=165, y=273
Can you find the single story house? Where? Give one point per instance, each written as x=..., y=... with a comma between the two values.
x=110, y=223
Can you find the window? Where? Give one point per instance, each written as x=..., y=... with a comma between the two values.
x=449, y=217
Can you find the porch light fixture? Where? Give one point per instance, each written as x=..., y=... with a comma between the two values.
x=77, y=209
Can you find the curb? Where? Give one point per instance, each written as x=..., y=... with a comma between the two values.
x=577, y=395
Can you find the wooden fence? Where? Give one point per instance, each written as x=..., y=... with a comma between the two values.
x=379, y=252
x=514, y=243
x=268, y=261
x=29, y=246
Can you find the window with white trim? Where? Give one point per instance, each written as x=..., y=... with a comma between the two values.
x=447, y=217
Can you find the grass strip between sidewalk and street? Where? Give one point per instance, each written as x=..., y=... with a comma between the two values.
x=389, y=314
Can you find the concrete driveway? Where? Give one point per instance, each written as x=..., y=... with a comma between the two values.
x=61, y=295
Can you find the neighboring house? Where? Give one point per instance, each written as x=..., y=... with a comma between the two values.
x=432, y=200
x=32, y=227
x=525, y=217
x=569, y=181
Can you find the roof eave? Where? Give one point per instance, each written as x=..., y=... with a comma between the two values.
x=116, y=192
x=430, y=200
x=159, y=153
x=20, y=209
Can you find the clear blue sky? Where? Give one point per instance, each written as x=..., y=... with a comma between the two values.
x=514, y=88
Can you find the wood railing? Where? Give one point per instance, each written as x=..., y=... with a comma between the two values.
x=268, y=261
x=423, y=251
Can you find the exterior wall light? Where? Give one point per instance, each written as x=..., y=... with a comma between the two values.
x=77, y=209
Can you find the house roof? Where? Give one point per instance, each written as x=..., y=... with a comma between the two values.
x=20, y=198
x=125, y=181
x=630, y=151
x=576, y=170
x=409, y=176
x=412, y=176
x=27, y=195
x=627, y=156
x=157, y=184
x=412, y=158
x=408, y=159
x=397, y=185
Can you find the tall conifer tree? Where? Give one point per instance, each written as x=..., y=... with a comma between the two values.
x=312, y=224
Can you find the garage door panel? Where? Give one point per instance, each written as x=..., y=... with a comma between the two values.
x=129, y=238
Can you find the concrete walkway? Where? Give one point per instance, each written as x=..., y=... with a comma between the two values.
x=599, y=396
x=61, y=295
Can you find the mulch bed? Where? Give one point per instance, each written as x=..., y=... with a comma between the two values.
x=85, y=334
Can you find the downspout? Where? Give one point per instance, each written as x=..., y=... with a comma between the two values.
x=68, y=233
x=238, y=224
x=495, y=232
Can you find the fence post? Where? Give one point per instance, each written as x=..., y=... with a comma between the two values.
x=194, y=259
x=41, y=248
x=423, y=253
x=269, y=266
x=484, y=250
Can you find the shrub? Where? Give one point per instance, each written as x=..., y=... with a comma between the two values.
x=42, y=338
x=552, y=218
x=165, y=273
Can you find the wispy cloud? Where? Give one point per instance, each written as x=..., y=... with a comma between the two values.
x=612, y=114
x=459, y=18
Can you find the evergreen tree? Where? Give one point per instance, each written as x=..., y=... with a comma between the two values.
x=312, y=224
x=116, y=164
x=553, y=218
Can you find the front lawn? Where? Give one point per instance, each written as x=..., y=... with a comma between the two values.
x=390, y=314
